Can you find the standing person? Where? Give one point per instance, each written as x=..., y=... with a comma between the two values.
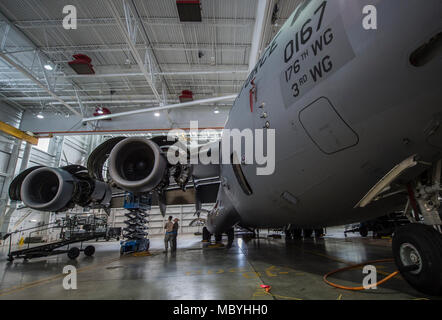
x=168, y=236
x=175, y=233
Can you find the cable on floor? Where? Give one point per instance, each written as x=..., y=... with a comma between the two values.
x=391, y=275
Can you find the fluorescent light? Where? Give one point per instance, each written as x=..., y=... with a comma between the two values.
x=40, y=116
x=216, y=110
x=156, y=114
x=48, y=67
x=100, y=111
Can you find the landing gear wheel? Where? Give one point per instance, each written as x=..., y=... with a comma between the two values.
x=73, y=253
x=363, y=231
x=89, y=250
x=319, y=232
x=297, y=233
x=230, y=237
x=206, y=235
x=308, y=233
x=288, y=234
x=417, y=251
x=218, y=238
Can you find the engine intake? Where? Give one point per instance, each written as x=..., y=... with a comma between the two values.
x=47, y=189
x=57, y=189
x=137, y=165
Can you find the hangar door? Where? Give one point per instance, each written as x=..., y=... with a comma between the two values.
x=326, y=128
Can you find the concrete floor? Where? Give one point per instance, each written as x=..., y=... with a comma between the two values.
x=293, y=268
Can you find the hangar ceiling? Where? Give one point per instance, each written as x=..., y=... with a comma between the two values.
x=142, y=54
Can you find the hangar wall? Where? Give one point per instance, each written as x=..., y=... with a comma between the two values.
x=9, y=149
x=58, y=151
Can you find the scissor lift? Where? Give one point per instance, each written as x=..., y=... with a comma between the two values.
x=135, y=231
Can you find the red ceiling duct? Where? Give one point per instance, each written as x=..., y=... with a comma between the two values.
x=189, y=10
x=101, y=111
x=82, y=64
x=186, y=96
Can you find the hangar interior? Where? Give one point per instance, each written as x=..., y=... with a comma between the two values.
x=145, y=54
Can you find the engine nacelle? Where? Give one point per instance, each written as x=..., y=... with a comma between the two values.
x=47, y=189
x=57, y=189
x=137, y=165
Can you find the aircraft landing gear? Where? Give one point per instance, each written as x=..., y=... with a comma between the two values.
x=206, y=235
x=230, y=237
x=417, y=247
x=292, y=233
x=218, y=237
x=308, y=233
x=319, y=233
x=417, y=251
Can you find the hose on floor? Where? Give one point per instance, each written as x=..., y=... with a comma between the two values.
x=391, y=275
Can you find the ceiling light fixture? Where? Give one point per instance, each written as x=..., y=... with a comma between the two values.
x=156, y=114
x=48, y=67
x=216, y=110
x=40, y=115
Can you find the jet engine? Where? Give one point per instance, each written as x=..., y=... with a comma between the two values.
x=138, y=165
x=57, y=189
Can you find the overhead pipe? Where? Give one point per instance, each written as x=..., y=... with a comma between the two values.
x=154, y=131
x=140, y=74
x=106, y=99
x=261, y=10
x=167, y=107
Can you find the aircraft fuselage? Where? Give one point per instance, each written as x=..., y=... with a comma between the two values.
x=346, y=104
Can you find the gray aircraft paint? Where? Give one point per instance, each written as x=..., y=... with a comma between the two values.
x=373, y=98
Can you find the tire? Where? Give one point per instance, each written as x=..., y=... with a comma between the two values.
x=296, y=233
x=363, y=231
x=89, y=251
x=427, y=242
x=206, y=234
x=319, y=232
x=288, y=234
x=308, y=233
x=73, y=253
x=230, y=237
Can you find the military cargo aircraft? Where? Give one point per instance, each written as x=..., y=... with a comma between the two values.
x=357, y=117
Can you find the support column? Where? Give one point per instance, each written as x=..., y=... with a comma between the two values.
x=5, y=215
x=26, y=156
x=181, y=218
